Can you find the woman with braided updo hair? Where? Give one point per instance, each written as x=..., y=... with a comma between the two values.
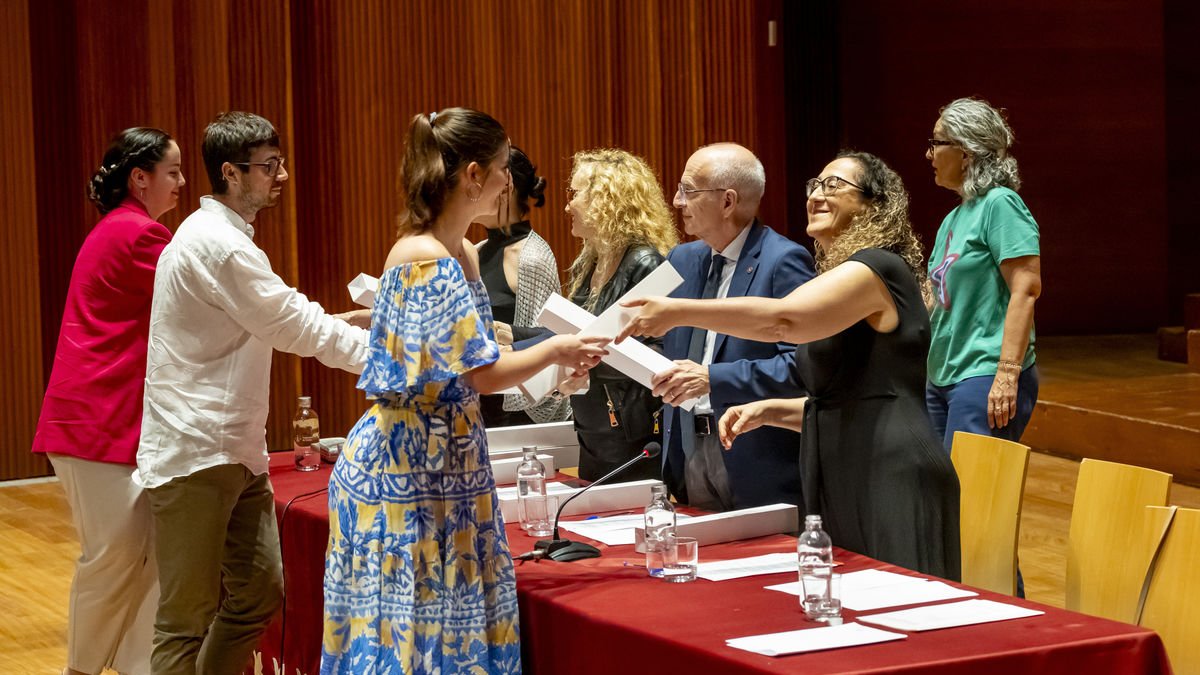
x=520, y=272
x=92, y=413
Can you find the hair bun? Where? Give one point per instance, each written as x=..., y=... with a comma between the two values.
x=538, y=192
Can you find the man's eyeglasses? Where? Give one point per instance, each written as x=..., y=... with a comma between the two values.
x=935, y=142
x=272, y=165
x=684, y=191
x=830, y=185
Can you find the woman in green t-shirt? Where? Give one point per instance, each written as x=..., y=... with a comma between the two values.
x=985, y=269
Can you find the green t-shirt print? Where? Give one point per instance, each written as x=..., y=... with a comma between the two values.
x=970, y=296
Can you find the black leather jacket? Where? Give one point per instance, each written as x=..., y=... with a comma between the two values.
x=604, y=446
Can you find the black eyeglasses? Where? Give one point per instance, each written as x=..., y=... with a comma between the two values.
x=935, y=142
x=272, y=165
x=830, y=185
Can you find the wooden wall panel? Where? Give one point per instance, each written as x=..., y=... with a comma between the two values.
x=341, y=82
x=21, y=387
x=1084, y=87
x=656, y=78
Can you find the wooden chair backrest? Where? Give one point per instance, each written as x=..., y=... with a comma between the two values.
x=1108, y=549
x=991, y=476
x=1172, y=599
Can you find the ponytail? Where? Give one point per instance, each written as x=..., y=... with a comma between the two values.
x=438, y=146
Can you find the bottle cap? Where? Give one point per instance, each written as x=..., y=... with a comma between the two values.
x=812, y=519
x=305, y=401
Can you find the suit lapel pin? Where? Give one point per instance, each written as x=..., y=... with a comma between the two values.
x=750, y=270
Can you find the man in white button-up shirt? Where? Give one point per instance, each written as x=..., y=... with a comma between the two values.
x=218, y=312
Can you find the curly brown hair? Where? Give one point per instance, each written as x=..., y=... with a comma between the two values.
x=883, y=223
x=625, y=205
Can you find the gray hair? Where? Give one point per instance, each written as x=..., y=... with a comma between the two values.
x=983, y=133
x=737, y=171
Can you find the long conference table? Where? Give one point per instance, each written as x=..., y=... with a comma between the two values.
x=605, y=615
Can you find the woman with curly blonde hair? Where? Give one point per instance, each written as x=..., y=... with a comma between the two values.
x=872, y=466
x=618, y=209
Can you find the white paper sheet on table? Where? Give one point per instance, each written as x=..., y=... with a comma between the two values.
x=552, y=488
x=867, y=599
x=771, y=563
x=866, y=590
x=813, y=639
x=950, y=615
x=609, y=530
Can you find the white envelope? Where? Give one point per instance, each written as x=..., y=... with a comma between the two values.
x=632, y=358
x=363, y=289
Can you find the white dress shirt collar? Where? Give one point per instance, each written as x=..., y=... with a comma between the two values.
x=210, y=203
x=734, y=250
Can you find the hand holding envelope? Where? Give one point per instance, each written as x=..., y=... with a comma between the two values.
x=633, y=359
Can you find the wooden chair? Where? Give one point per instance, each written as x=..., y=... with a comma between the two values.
x=991, y=475
x=1172, y=598
x=1109, y=549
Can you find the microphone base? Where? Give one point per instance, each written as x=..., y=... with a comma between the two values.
x=565, y=550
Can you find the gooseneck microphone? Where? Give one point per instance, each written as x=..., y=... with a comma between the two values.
x=565, y=550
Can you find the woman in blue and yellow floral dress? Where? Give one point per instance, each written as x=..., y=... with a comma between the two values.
x=419, y=578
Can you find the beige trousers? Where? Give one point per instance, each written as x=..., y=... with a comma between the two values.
x=110, y=621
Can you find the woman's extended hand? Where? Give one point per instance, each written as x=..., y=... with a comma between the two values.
x=578, y=353
x=740, y=419
x=504, y=335
x=655, y=317
x=1002, y=399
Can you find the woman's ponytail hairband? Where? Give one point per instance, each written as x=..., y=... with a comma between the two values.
x=432, y=117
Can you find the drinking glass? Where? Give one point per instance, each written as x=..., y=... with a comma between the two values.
x=680, y=558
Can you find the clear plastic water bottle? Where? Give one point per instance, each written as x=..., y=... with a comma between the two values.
x=306, y=436
x=814, y=551
x=660, y=527
x=531, y=483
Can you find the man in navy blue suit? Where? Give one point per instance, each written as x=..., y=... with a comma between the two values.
x=736, y=256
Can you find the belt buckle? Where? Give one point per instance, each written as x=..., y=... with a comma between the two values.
x=704, y=425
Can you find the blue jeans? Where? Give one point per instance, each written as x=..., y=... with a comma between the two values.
x=963, y=407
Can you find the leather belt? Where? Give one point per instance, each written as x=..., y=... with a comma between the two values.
x=706, y=425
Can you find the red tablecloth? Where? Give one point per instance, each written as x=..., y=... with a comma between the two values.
x=605, y=615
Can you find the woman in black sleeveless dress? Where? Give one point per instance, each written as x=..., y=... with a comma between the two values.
x=871, y=465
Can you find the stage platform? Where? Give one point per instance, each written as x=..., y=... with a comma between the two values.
x=1110, y=397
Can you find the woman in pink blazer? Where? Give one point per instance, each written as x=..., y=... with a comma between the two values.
x=92, y=413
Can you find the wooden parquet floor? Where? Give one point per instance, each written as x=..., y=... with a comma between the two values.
x=37, y=547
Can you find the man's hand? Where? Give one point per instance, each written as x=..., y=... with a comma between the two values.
x=360, y=318
x=572, y=385
x=685, y=381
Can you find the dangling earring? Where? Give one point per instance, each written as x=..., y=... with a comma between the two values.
x=142, y=195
